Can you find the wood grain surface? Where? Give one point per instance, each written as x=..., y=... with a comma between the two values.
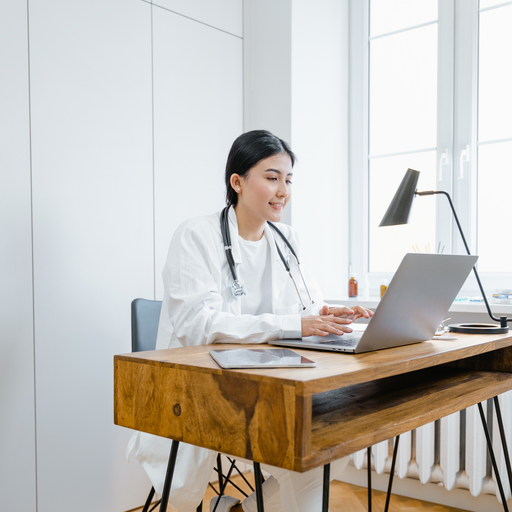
x=335, y=370
x=244, y=418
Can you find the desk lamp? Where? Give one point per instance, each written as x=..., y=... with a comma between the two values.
x=398, y=213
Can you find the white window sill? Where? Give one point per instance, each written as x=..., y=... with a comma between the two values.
x=460, y=307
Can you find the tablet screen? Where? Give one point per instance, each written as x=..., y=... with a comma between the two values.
x=261, y=358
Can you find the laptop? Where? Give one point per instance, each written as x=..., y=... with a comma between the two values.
x=414, y=305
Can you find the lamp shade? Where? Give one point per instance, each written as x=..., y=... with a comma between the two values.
x=400, y=207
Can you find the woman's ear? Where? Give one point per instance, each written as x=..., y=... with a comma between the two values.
x=235, y=182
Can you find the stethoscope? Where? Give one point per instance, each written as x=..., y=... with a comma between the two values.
x=237, y=287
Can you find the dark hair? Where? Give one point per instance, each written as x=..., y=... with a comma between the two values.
x=247, y=151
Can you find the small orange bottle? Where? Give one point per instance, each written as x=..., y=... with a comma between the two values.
x=383, y=288
x=352, y=284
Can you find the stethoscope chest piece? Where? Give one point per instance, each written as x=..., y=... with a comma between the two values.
x=238, y=289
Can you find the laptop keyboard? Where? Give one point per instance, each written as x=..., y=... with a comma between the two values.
x=346, y=341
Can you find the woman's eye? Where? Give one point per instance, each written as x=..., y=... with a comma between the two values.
x=289, y=182
x=272, y=178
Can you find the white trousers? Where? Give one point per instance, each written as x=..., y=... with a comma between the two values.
x=288, y=491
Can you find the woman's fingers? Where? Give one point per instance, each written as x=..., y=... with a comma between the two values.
x=345, y=312
x=332, y=320
x=325, y=330
x=362, y=312
x=324, y=310
x=335, y=319
x=316, y=325
x=352, y=313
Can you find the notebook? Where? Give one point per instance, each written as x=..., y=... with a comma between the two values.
x=415, y=303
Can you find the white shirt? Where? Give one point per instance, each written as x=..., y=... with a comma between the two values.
x=256, y=276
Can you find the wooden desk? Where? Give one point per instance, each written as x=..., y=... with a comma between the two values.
x=299, y=419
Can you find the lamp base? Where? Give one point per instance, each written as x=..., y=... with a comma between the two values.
x=478, y=328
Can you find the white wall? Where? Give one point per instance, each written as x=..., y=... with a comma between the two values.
x=320, y=139
x=296, y=85
x=102, y=164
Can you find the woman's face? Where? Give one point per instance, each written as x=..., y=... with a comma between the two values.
x=266, y=188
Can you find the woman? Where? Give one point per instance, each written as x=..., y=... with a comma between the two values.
x=253, y=300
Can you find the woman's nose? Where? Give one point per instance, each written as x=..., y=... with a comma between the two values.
x=282, y=190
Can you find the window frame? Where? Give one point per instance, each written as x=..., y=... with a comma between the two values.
x=457, y=149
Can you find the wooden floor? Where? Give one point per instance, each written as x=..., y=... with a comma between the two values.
x=346, y=498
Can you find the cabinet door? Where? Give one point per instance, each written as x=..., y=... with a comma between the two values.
x=93, y=239
x=222, y=14
x=17, y=426
x=198, y=113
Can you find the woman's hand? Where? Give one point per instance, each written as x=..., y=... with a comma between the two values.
x=351, y=314
x=324, y=324
x=332, y=320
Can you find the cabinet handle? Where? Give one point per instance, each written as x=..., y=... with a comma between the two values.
x=443, y=160
x=464, y=158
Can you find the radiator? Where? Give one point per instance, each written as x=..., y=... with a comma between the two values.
x=451, y=451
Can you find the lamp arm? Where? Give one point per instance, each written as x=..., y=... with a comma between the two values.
x=503, y=319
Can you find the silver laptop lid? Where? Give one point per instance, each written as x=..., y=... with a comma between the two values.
x=418, y=297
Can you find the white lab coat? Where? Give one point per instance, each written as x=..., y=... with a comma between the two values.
x=199, y=308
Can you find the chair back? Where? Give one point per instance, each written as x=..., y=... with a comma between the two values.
x=145, y=318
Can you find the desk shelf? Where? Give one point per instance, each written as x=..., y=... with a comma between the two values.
x=352, y=418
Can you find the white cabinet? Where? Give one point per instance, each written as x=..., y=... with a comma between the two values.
x=198, y=113
x=93, y=239
x=115, y=147
x=17, y=424
x=222, y=14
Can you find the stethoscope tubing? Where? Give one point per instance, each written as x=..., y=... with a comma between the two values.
x=237, y=286
x=226, y=238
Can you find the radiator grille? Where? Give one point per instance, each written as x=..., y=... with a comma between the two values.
x=451, y=451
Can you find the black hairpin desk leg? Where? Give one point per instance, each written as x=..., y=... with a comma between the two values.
x=327, y=481
x=258, y=477
x=493, y=459
x=168, y=477
x=369, y=473
x=392, y=473
x=149, y=499
x=503, y=439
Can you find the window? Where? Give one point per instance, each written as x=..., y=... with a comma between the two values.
x=494, y=136
x=430, y=89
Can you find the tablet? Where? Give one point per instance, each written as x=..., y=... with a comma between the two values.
x=261, y=358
